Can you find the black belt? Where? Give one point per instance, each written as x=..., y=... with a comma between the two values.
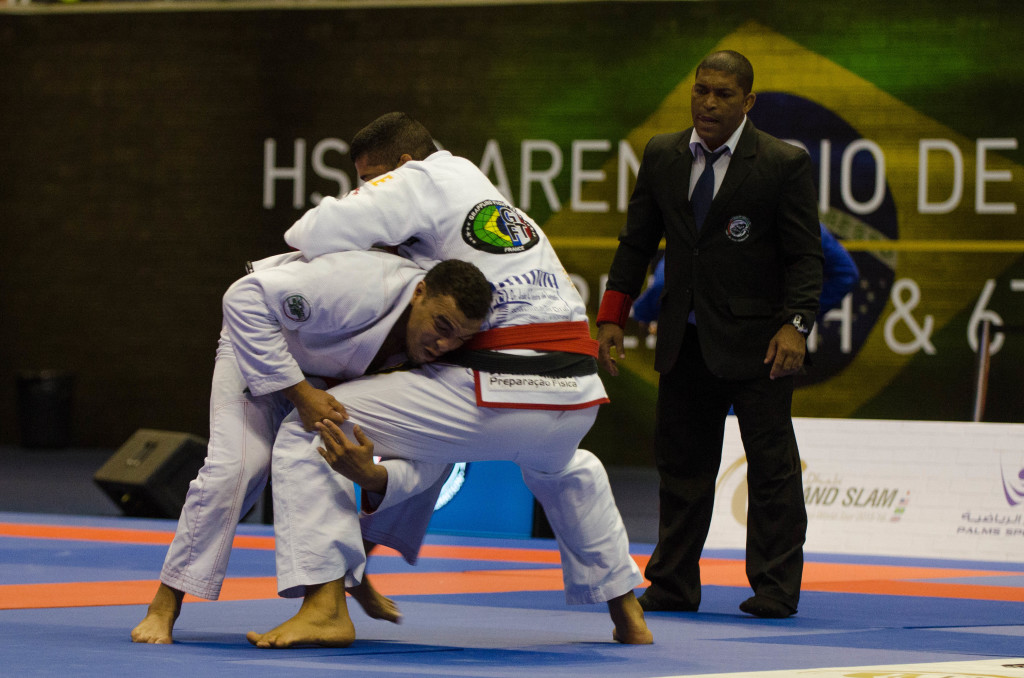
x=552, y=364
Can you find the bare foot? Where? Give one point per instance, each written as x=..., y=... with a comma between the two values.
x=322, y=620
x=628, y=616
x=156, y=626
x=373, y=603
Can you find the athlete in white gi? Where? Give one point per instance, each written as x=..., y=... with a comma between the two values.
x=338, y=316
x=439, y=207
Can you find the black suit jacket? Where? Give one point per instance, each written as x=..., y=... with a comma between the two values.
x=756, y=261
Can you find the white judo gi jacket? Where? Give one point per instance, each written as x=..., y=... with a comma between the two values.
x=288, y=320
x=444, y=207
x=293, y=318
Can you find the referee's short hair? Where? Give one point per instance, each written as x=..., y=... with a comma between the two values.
x=731, y=62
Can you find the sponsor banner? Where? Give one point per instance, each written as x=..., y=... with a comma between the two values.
x=895, y=488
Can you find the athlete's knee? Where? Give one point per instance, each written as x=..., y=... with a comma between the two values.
x=581, y=468
x=546, y=469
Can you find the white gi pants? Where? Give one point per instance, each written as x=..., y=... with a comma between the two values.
x=430, y=414
x=235, y=472
x=242, y=430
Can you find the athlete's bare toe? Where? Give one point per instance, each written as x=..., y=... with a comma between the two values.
x=298, y=632
x=322, y=620
x=375, y=605
x=155, y=628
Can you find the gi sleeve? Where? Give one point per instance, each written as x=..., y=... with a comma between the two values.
x=310, y=303
x=389, y=210
x=261, y=350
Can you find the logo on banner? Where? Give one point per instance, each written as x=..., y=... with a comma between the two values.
x=1012, y=467
x=827, y=496
x=498, y=228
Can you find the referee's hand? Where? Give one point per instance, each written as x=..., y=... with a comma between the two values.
x=609, y=346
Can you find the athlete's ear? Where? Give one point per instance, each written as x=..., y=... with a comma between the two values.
x=419, y=292
x=402, y=160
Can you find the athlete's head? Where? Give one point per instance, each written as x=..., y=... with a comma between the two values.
x=446, y=309
x=388, y=142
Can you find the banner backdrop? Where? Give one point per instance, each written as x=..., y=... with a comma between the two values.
x=149, y=151
x=894, y=488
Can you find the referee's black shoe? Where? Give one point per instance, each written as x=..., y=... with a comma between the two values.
x=760, y=606
x=650, y=602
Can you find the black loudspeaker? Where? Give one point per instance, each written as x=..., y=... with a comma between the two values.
x=149, y=475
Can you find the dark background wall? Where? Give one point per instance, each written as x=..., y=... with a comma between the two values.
x=132, y=188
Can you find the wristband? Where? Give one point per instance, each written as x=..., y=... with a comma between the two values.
x=614, y=308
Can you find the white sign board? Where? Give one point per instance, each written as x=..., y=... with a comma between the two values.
x=898, y=488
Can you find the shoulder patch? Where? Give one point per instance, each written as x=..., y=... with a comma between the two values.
x=297, y=308
x=496, y=227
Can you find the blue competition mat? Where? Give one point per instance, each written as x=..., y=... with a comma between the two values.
x=49, y=564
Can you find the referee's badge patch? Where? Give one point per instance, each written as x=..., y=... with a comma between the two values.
x=496, y=227
x=738, y=229
x=297, y=308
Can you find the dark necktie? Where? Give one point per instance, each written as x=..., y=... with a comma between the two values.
x=704, y=190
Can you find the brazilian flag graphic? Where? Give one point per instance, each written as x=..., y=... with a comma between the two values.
x=498, y=228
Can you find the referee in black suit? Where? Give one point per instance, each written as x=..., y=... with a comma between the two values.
x=737, y=210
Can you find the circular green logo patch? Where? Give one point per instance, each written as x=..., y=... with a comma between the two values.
x=496, y=227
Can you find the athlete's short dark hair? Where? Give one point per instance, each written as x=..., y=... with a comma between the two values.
x=464, y=283
x=731, y=62
x=390, y=136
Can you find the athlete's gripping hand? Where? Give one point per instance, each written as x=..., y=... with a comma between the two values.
x=314, y=405
x=609, y=345
x=354, y=460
